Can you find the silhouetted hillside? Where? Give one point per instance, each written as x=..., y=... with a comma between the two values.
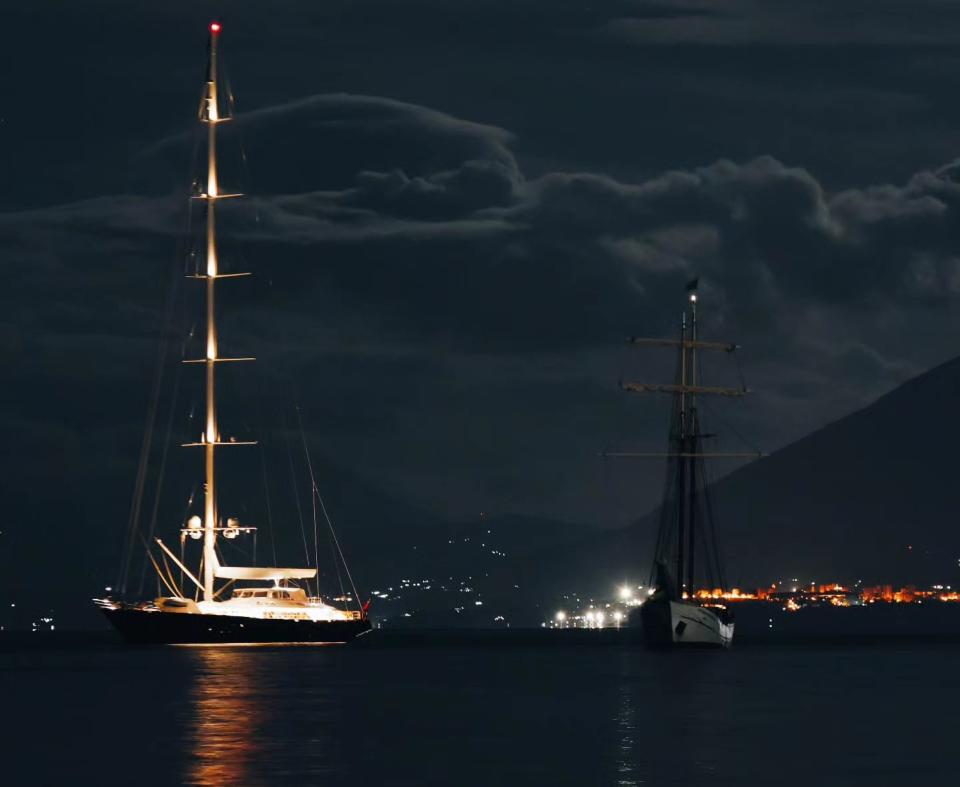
x=872, y=496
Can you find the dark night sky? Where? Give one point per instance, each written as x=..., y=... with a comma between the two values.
x=461, y=210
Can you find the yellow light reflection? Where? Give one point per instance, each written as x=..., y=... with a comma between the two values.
x=226, y=718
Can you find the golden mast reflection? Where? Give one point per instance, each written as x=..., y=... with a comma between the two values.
x=227, y=717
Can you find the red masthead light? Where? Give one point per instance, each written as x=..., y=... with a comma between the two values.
x=214, y=27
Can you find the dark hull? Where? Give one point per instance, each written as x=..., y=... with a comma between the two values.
x=654, y=620
x=142, y=627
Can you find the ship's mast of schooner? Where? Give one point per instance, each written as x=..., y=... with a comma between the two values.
x=210, y=115
x=211, y=440
x=681, y=507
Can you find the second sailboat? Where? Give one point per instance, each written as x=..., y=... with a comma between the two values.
x=686, y=606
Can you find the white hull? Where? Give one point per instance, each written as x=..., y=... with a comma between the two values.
x=667, y=622
x=698, y=625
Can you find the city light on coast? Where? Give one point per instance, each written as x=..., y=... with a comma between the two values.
x=792, y=596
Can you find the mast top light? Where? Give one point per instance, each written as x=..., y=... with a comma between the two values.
x=214, y=27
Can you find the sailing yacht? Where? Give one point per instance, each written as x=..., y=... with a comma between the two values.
x=687, y=577
x=275, y=608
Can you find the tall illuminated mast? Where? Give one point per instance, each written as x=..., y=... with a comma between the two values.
x=284, y=613
x=211, y=440
x=210, y=114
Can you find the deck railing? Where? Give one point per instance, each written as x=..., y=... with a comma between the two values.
x=351, y=614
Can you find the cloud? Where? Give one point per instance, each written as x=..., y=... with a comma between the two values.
x=443, y=237
x=331, y=138
x=754, y=22
x=445, y=248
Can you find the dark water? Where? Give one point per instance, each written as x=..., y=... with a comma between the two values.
x=474, y=715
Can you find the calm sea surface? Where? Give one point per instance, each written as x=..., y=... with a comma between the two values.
x=452, y=714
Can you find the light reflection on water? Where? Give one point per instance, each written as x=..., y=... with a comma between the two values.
x=243, y=712
x=227, y=719
x=478, y=716
x=626, y=731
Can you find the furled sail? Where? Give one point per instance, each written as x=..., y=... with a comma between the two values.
x=263, y=573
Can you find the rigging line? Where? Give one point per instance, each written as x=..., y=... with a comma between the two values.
x=258, y=382
x=166, y=566
x=715, y=413
x=743, y=381
x=161, y=471
x=326, y=515
x=172, y=586
x=218, y=553
x=246, y=179
x=133, y=524
x=314, y=495
x=288, y=375
x=668, y=508
x=134, y=515
x=175, y=299
x=712, y=530
x=713, y=546
x=238, y=549
x=729, y=426
x=316, y=539
x=196, y=590
x=258, y=368
x=183, y=518
x=316, y=530
x=219, y=592
x=313, y=503
x=666, y=522
x=296, y=492
x=266, y=490
x=190, y=499
x=715, y=540
x=336, y=541
x=706, y=564
x=160, y=576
